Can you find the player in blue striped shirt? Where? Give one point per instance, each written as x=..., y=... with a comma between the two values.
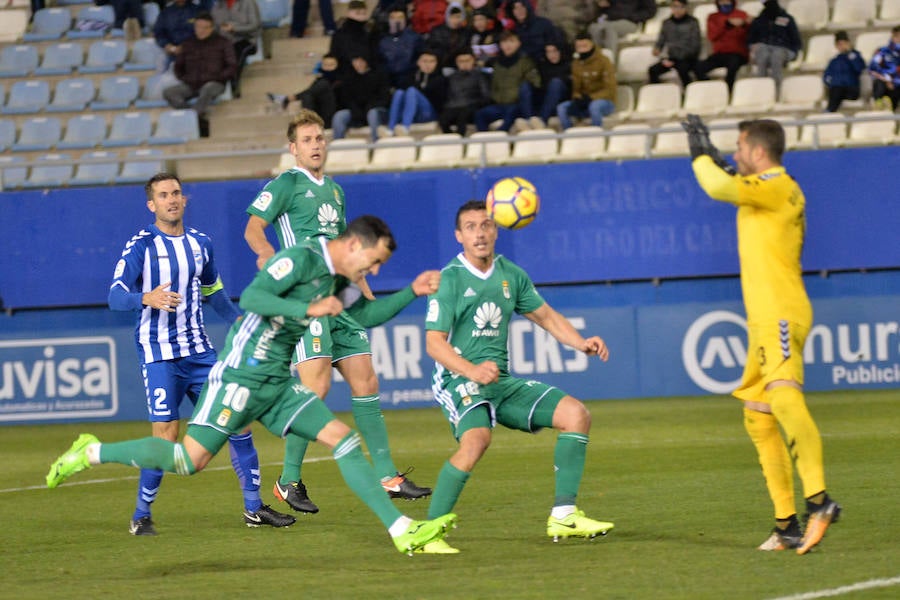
x=165, y=272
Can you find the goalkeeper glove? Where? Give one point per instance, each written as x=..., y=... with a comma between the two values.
x=700, y=144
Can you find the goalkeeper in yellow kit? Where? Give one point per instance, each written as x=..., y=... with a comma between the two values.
x=771, y=224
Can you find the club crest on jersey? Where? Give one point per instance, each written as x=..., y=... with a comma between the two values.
x=281, y=268
x=337, y=198
x=263, y=201
x=222, y=421
x=317, y=345
x=506, y=290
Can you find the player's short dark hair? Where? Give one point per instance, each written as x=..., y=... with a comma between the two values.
x=161, y=176
x=768, y=134
x=370, y=229
x=304, y=117
x=470, y=205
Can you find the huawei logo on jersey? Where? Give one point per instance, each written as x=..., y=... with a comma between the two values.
x=328, y=216
x=487, y=315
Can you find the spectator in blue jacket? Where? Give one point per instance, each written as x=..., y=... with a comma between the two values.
x=774, y=41
x=398, y=49
x=885, y=70
x=842, y=73
x=174, y=25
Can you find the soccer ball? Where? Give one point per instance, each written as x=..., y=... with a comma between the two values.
x=513, y=202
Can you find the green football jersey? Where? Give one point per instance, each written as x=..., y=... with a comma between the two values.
x=301, y=207
x=261, y=344
x=475, y=308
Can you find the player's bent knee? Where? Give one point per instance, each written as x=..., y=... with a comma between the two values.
x=572, y=415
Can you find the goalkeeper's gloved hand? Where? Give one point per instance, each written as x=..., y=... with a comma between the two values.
x=700, y=144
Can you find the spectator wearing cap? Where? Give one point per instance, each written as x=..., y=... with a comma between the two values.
x=841, y=76
x=450, y=37
x=355, y=36
x=398, y=49
x=363, y=99
x=726, y=30
x=239, y=22
x=512, y=87
x=594, y=85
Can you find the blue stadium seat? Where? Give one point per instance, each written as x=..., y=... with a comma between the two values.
x=129, y=129
x=271, y=12
x=96, y=173
x=27, y=97
x=145, y=55
x=116, y=93
x=38, y=133
x=151, y=13
x=92, y=22
x=151, y=94
x=7, y=134
x=72, y=94
x=176, y=127
x=12, y=176
x=48, y=24
x=48, y=173
x=104, y=56
x=141, y=165
x=18, y=61
x=83, y=131
x=60, y=59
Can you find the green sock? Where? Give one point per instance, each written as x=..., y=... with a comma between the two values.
x=294, y=451
x=568, y=461
x=450, y=484
x=360, y=478
x=149, y=453
x=370, y=421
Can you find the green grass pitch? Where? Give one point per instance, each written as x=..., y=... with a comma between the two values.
x=678, y=476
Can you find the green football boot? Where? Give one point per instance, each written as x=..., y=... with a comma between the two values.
x=576, y=525
x=72, y=461
x=420, y=533
x=437, y=547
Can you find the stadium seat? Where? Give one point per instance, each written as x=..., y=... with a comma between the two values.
x=116, y=93
x=344, y=159
x=800, y=93
x=818, y=132
x=92, y=22
x=810, y=15
x=48, y=24
x=888, y=14
x=72, y=94
x=151, y=93
x=657, y=101
x=96, y=173
x=701, y=12
x=151, y=13
x=60, y=59
x=652, y=26
x=445, y=155
x=671, y=143
x=48, y=173
x=791, y=131
x=141, y=165
x=705, y=98
x=13, y=25
x=852, y=14
x=819, y=50
x=83, y=131
x=145, y=55
x=176, y=127
x=129, y=129
x=392, y=154
x=582, y=144
x=869, y=42
x=7, y=134
x=528, y=150
x=26, y=97
x=104, y=56
x=624, y=102
x=12, y=176
x=752, y=94
x=633, y=63
x=723, y=133
x=271, y=12
x=486, y=147
x=632, y=143
x=877, y=132
x=18, y=61
x=752, y=8
x=38, y=133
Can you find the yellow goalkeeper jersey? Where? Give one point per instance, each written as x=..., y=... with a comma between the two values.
x=771, y=225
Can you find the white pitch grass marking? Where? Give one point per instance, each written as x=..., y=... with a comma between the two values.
x=844, y=589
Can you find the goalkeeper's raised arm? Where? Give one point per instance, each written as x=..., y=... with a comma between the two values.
x=714, y=174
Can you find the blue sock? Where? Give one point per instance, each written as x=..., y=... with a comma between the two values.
x=148, y=487
x=246, y=464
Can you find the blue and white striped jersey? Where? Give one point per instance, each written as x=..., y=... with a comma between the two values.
x=150, y=259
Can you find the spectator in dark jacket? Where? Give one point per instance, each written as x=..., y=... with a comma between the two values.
x=356, y=36
x=726, y=30
x=423, y=100
x=534, y=32
x=842, y=73
x=468, y=89
x=885, y=70
x=613, y=19
x=678, y=43
x=512, y=87
x=774, y=41
x=398, y=49
x=451, y=37
x=321, y=95
x=174, y=25
x=485, y=33
x=203, y=65
x=363, y=99
x=556, y=83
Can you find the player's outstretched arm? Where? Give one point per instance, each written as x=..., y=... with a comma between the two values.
x=700, y=144
x=372, y=313
x=560, y=328
x=438, y=348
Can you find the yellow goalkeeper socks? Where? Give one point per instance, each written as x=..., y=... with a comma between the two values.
x=774, y=460
x=804, y=442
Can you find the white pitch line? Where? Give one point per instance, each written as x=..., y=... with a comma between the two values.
x=845, y=589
